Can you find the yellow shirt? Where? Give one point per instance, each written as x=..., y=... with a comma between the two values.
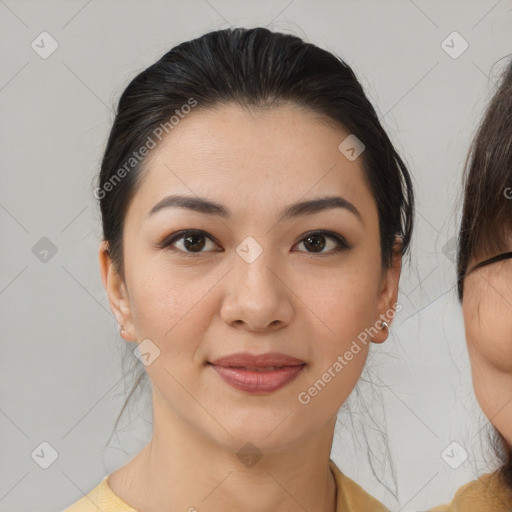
x=349, y=497
x=486, y=494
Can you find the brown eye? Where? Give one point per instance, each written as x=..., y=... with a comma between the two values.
x=194, y=243
x=189, y=242
x=317, y=241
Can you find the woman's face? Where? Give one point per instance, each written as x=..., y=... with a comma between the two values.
x=487, y=309
x=252, y=281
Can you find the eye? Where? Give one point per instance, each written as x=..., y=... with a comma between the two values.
x=316, y=241
x=191, y=242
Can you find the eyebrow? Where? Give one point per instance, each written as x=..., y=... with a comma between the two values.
x=208, y=207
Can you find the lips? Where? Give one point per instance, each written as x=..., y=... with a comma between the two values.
x=269, y=360
x=258, y=373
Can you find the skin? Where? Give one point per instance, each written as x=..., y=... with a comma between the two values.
x=290, y=300
x=487, y=310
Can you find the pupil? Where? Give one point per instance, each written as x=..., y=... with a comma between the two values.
x=319, y=239
x=192, y=246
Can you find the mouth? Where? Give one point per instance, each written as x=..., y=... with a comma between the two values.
x=258, y=368
x=257, y=379
x=270, y=360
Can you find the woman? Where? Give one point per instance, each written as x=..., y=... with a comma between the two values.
x=484, y=274
x=255, y=215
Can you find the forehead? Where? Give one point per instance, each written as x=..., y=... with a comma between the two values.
x=257, y=157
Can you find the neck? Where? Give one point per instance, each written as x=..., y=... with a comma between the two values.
x=183, y=469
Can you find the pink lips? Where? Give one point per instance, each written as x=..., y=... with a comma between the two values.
x=258, y=373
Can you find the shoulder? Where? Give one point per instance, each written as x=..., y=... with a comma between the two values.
x=351, y=497
x=100, y=498
x=485, y=494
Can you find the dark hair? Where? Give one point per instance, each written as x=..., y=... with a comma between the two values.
x=251, y=68
x=486, y=225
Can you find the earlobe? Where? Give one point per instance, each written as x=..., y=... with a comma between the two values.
x=116, y=292
x=383, y=332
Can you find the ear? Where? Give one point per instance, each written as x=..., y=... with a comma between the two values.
x=388, y=293
x=117, y=292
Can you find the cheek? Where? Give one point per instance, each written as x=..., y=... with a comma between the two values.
x=488, y=326
x=339, y=319
x=350, y=304
x=174, y=313
x=168, y=307
x=343, y=313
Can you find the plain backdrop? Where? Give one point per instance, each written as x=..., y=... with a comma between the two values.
x=60, y=361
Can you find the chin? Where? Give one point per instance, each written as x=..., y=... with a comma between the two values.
x=267, y=435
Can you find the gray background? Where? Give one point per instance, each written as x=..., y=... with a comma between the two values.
x=61, y=354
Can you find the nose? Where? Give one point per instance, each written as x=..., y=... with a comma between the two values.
x=257, y=297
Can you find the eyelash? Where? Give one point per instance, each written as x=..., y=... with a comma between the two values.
x=168, y=241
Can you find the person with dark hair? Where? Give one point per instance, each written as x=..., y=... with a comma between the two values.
x=255, y=217
x=484, y=282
